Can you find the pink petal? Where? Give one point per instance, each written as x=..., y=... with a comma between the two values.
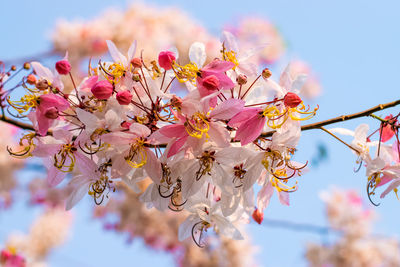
x=175, y=130
x=176, y=146
x=227, y=109
x=217, y=65
x=243, y=116
x=54, y=176
x=250, y=130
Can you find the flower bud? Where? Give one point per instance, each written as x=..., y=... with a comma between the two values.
x=266, y=73
x=211, y=82
x=42, y=85
x=102, y=90
x=136, y=62
x=27, y=66
x=136, y=77
x=241, y=79
x=63, y=67
x=258, y=216
x=126, y=124
x=292, y=100
x=165, y=59
x=51, y=113
x=124, y=97
x=31, y=79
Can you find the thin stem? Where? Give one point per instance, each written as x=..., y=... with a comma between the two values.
x=340, y=140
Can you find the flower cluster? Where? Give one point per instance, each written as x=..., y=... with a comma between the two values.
x=203, y=147
x=382, y=159
x=356, y=246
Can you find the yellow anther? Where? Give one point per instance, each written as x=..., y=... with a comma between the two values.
x=26, y=142
x=230, y=56
x=197, y=125
x=65, y=159
x=25, y=103
x=187, y=73
x=137, y=150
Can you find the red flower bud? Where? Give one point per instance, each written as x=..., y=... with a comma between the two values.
x=31, y=79
x=258, y=216
x=124, y=97
x=102, y=90
x=292, y=100
x=211, y=82
x=165, y=59
x=136, y=62
x=126, y=124
x=63, y=67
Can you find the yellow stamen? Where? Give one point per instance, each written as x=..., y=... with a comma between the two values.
x=187, y=73
x=197, y=125
x=137, y=148
x=65, y=159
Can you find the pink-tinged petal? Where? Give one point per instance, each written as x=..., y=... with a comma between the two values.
x=243, y=116
x=153, y=166
x=284, y=198
x=392, y=186
x=217, y=65
x=79, y=188
x=118, y=138
x=52, y=100
x=219, y=134
x=396, y=151
x=132, y=50
x=250, y=130
x=175, y=130
x=227, y=109
x=85, y=165
x=177, y=145
x=229, y=41
x=385, y=179
x=264, y=196
x=157, y=138
x=42, y=71
x=46, y=150
x=54, y=176
x=62, y=134
x=139, y=129
x=115, y=54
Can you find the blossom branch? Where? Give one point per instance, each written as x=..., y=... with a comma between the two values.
x=364, y=113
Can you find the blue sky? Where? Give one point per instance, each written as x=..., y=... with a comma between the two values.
x=352, y=45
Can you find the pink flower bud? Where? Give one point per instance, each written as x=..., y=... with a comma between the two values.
x=126, y=124
x=292, y=100
x=51, y=113
x=211, y=82
x=165, y=59
x=63, y=67
x=124, y=97
x=258, y=216
x=102, y=90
